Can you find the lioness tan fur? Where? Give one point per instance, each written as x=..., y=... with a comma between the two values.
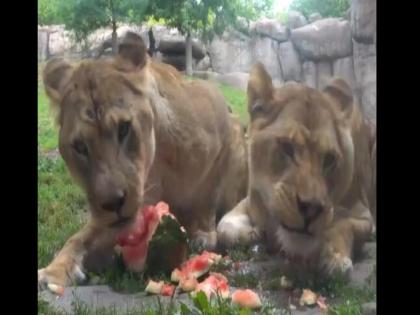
x=311, y=181
x=132, y=131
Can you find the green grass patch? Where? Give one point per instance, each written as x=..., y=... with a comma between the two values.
x=237, y=101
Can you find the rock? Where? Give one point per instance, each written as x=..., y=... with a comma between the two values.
x=42, y=45
x=176, y=46
x=178, y=61
x=231, y=52
x=324, y=39
x=369, y=308
x=314, y=17
x=363, y=20
x=347, y=15
x=264, y=50
x=59, y=43
x=323, y=74
x=271, y=28
x=343, y=68
x=309, y=73
x=296, y=19
x=238, y=80
x=364, y=268
x=204, y=64
x=289, y=61
x=364, y=58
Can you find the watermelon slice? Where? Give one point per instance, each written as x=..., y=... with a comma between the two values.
x=246, y=298
x=167, y=290
x=160, y=287
x=188, y=283
x=214, y=284
x=155, y=237
x=195, y=267
x=154, y=287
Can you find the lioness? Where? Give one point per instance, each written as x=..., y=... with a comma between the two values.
x=310, y=174
x=132, y=131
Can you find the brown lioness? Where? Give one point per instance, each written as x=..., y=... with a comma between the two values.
x=132, y=131
x=310, y=174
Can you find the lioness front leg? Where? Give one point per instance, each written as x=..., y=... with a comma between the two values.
x=235, y=228
x=340, y=240
x=67, y=267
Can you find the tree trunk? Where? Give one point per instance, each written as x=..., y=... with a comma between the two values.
x=188, y=55
x=114, y=38
x=114, y=29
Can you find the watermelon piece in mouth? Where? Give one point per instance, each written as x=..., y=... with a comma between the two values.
x=135, y=240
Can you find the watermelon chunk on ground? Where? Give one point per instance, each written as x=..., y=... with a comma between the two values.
x=246, y=298
x=215, y=284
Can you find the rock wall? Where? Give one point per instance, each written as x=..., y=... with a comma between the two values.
x=310, y=52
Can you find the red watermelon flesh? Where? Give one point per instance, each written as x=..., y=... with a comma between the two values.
x=167, y=290
x=196, y=266
x=214, y=284
x=134, y=241
x=246, y=298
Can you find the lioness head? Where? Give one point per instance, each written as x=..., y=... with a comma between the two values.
x=106, y=134
x=301, y=152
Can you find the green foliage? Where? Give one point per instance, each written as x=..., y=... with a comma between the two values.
x=48, y=12
x=327, y=8
x=206, y=17
x=85, y=16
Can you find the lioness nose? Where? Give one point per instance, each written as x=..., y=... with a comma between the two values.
x=115, y=202
x=309, y=209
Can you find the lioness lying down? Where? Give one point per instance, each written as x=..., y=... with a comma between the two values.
x=132, y=131
x=310, y=174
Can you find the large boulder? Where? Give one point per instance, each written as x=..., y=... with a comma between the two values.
x=323, y=73
x=363, y=20
x=176, y=46
x=365, y=72
x=324, y=39
x=295, y=19
x=59, y=42
x=42, y=45
x=271, y=28
x=309, y=73
x=343, y=68
x=231, y=52
x=204, y=64
x=289, y=61
x=264, y=50
x=314, y=17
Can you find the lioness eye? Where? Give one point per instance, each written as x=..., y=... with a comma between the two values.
x=80, y=147
x=123, y=130
x=329, y=163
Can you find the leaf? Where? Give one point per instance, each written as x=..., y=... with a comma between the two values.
x=201, y=302
x=184, y=309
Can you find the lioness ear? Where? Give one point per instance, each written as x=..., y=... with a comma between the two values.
x=341, y=92
x=56, y=75
x=260, y=88
x=132, y=53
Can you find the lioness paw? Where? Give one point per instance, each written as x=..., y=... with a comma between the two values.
x=52, y=276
